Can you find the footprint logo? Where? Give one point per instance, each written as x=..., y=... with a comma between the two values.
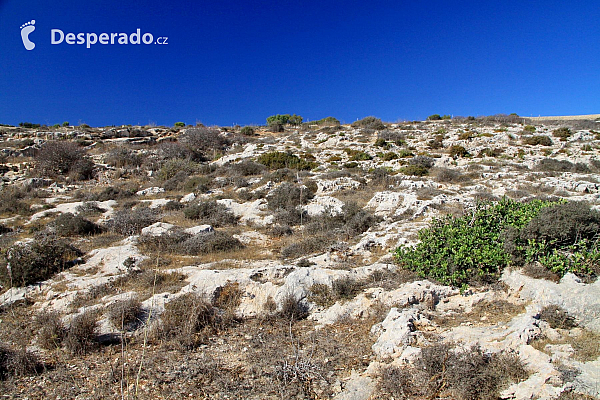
x=26, y=29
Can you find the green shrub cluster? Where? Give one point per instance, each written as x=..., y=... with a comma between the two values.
x=477, y=246
x=283, y=119
x=327, y=121
x=278, y=159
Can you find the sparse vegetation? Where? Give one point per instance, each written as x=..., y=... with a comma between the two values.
x=462, y=374
x=37, y=260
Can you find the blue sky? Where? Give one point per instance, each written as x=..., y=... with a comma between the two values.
x=238, y=62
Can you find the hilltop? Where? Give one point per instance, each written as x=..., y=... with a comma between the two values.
x=238, y=262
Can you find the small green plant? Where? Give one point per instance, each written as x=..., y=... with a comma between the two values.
x=529, y=128
x=434, y=117
x=65, y=124
x=179, y=124
x=414, y=170
x=277, y=160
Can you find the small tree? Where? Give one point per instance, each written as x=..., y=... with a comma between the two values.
x=434, y=117
x=179, y=124
x=278, y=119
x=65, y=124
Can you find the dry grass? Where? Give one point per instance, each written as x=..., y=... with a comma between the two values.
x=585, y=343
x=483, y=313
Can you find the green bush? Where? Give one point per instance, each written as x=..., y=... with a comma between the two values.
x=179, y=124
x=389, y=156
x=278, y=160
x=281, y=119
x=65, y=124
x=434, y=117
x=38, y=260
x=563, y=238
x=457, y=250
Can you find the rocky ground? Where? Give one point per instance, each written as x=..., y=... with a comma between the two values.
x=206, y=263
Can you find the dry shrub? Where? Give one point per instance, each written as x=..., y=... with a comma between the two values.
x=211, y=242
x=228, y=297
x=131, y=222
x=306, y=246
x=210, y=212
x=187, y=320
x=321, y=294
x=81, y=336
x=538, y=271
x=346, y=288
x=292, y=308
x=61, y=158
x=51, y=330
x=17, y=362
x=557, y=317
x=460, y=374
x=67, y=224
x=125, y=314
x=537, y=140
x=38, y=260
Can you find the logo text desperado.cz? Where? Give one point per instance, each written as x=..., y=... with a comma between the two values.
x=57, y=36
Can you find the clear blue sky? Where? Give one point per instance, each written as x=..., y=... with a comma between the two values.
x=234, y=62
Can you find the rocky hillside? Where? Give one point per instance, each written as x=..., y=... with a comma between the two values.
x=426, y=259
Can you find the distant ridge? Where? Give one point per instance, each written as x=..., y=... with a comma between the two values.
x=568, y=117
